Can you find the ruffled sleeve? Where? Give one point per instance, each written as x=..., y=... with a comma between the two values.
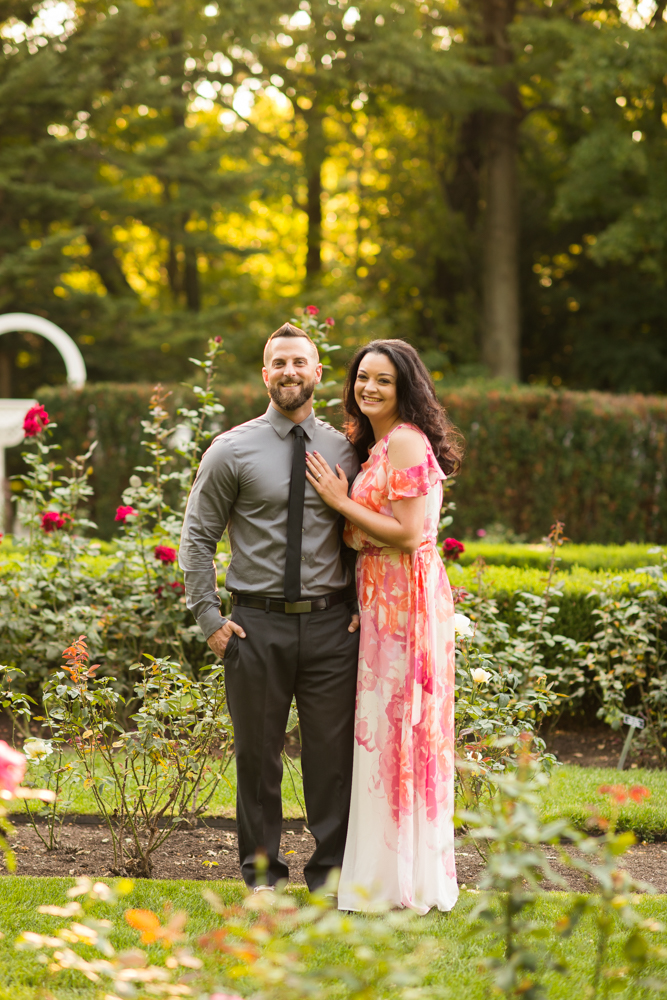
x=415, y=481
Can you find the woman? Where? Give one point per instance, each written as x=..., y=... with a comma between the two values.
x=400, y=843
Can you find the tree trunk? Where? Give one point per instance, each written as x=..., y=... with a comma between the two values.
x=5, y=376
x=191, y=279
x=182, y=278
x=500, y=269
x=103, y=260
x=313, y=160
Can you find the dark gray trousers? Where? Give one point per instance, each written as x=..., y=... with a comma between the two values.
x=313, y=657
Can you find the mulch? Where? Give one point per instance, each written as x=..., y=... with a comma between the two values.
x=598, y=746
x=210, y=854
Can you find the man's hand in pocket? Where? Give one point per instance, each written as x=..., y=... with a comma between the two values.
x=218, y=640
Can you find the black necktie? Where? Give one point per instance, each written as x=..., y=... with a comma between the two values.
x=297, y=491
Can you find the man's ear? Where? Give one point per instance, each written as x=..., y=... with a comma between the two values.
x=265, y=376
x=318, y=373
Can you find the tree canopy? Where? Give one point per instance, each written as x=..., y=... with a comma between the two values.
x=482, y=177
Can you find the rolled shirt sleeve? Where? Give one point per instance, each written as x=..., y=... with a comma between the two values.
x=213, y=494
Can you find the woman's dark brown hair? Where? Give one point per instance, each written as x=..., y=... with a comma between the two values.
x=417, y=404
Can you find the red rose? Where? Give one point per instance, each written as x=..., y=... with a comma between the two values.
x=329, y=321
x=218, y=340
x=452, y=549
x=312, y=310
x=165, y=554
x=123, y=512
x=36, y=419
x=177, y=587
x=53, y=521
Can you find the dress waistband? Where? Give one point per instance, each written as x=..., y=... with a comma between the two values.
x=386, y=550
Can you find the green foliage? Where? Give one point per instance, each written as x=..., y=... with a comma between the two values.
x=509, y=823
x=533, y=456
x=170, y=173
x=624, y=663
x=162, y=771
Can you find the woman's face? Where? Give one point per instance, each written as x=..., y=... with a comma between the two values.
x=375, y=388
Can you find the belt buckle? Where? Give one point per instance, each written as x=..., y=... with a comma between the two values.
x=298, y=607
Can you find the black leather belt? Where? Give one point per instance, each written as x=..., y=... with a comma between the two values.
x=298, y=608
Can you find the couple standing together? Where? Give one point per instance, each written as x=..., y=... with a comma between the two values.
x=379, y=781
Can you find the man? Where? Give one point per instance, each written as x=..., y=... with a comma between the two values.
x=292, y=630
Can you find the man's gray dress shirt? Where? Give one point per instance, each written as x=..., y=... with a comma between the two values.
x=243, y=485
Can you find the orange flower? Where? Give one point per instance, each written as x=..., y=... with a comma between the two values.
x=146, y=922
x=639, y=792
x=152, y=930
x=617, y=792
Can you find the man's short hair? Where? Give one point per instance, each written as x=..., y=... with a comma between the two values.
x=287, y=330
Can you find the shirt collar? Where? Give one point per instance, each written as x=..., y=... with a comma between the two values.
x=282, y=425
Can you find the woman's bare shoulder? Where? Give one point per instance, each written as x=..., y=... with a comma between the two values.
x=406, y=448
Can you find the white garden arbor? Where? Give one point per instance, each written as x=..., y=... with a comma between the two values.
x=13, y=411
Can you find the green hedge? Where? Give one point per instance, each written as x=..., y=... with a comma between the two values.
x=595, y=461
x=575, y=619
x=592, y=557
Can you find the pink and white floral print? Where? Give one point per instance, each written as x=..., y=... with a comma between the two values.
x=400, y=845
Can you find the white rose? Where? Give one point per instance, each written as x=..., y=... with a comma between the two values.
x=35, y=749
x=480, y=676
x=463, y=626
x=135, y=482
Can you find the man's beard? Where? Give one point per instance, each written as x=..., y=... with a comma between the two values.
x=291, y=401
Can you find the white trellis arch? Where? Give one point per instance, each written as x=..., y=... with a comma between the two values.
x=13, y=411
x=71, y=355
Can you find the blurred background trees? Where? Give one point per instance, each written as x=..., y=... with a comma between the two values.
x=483, y=177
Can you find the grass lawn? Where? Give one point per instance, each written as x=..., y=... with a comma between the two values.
x=573, y=788
x=455, y=969
x=571, y=791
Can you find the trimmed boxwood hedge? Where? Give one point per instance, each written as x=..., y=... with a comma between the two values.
x=594, y=460
x=593, y=557
x=575, y=619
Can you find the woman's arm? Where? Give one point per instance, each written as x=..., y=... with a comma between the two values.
x=402, y=531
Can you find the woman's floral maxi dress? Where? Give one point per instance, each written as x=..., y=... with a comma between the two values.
x=400, y=842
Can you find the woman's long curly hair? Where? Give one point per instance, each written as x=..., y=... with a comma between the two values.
x=417, y=404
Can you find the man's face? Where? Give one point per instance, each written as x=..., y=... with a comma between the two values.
x=291, y=372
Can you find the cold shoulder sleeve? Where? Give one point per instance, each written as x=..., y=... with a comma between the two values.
x=415, y=481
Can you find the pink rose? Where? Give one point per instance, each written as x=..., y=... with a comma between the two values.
x=123, y=512
x=165, y=554
x=329, y=321
x=312, y=310
x=36, y=419
x=12, y=768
